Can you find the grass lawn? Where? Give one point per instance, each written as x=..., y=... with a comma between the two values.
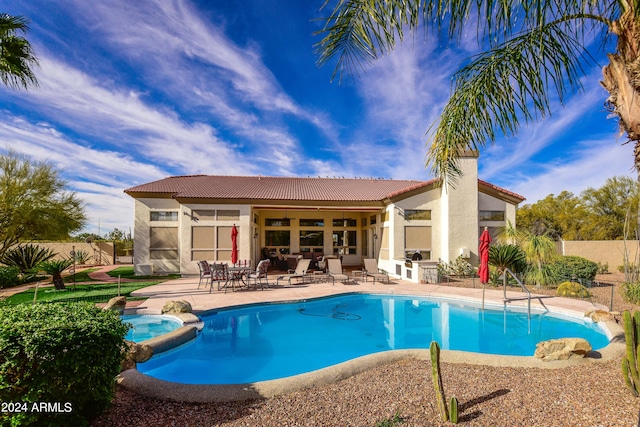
x=81, y=276
x=93, y=293
x=127, y=273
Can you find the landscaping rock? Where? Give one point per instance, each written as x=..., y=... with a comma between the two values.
x=562, y=349
x=599, y=315
x=116, y=304
x=137, y=353
x=180, y=306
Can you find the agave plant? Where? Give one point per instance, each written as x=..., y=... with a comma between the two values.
x=55, y=268
x=26, y=257
x=507, y=256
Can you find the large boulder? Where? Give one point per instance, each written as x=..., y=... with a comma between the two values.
x=180, y=306
x=136, y=353
x=116, y=304
x=562, y=349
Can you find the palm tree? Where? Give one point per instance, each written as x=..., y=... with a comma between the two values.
x=16, y=55
x=533, y=48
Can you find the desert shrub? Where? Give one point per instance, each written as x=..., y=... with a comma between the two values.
x=631, y=292
x=26, y=257
x=82, y=256
x=64, y=355
x=574, y=268
x=458, y=267
x=603, y=268
x=572, y=290
x=9, y=276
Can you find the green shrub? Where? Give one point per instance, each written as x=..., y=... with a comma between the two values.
x=572, y=290
x=631, y=292
x=9, y=276
x=64, y=355
x=574, y=268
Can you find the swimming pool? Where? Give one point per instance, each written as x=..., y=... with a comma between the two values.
x=269, y=341
x=146, y=327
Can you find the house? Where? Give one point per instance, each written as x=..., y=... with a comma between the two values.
x=180, y=220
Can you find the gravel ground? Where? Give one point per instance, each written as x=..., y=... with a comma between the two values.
x=585, y=395
x=592, y=395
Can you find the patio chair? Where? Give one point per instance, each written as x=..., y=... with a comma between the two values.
x=371, y=270
x=260, y=275
x=299, y=273
x=219, y=274
x=334, y=265
x=205, y=273
x=322, y=263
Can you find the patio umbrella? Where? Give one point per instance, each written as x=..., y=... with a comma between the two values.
x=483, y=254
x=234, y=245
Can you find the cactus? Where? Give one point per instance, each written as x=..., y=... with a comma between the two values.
x=434, y=349
x=453, y=410
x=630, y=362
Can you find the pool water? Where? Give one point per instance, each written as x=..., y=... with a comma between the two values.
x=146, y=327
x=269, y=341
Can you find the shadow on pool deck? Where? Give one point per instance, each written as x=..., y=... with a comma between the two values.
x=202, y=301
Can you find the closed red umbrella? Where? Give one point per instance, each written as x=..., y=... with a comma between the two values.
x=483, y=253
x=234, y=245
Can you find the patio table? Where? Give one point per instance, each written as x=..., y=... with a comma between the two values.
x=236, y=277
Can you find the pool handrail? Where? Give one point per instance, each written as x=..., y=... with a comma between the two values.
x=524, y=288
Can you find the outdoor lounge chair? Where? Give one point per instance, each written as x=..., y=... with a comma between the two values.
x=299, y=273
x=260, y=275
x=334, y=265
x=371, y=270
x=205, y=273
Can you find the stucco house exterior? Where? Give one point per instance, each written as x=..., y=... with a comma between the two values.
x=180, y=220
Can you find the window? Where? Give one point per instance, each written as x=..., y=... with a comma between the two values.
x=164, y=215
x=203, y=215
x=415, y=214
x=228, y=215
x=491, y=215
x=163, y=243
x=417, y=240
x=311, y=238
x=345, y=222
x=277, y=222
x=278, y=239
x=344, y=242
x=304, y=222
x=372, y=219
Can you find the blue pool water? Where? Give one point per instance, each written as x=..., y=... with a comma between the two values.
x=271, y=341
x=146, y=327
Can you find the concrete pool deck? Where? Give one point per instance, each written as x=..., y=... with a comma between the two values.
x=202, y=301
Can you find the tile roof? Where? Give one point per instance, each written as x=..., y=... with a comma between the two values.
x=282, y=188
x=502, y=190
x=277, y=188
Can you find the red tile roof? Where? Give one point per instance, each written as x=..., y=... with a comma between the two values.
x=279, y=188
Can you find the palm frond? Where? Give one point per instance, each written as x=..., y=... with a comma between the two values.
x=501, y=87
x=16, y=55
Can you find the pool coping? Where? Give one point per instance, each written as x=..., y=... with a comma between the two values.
x=202, y=393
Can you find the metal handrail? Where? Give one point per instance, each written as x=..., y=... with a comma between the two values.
x=524, y=288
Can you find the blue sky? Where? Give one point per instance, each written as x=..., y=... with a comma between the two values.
x=135, y=91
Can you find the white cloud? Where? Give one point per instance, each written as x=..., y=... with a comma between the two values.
x=595, y=161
